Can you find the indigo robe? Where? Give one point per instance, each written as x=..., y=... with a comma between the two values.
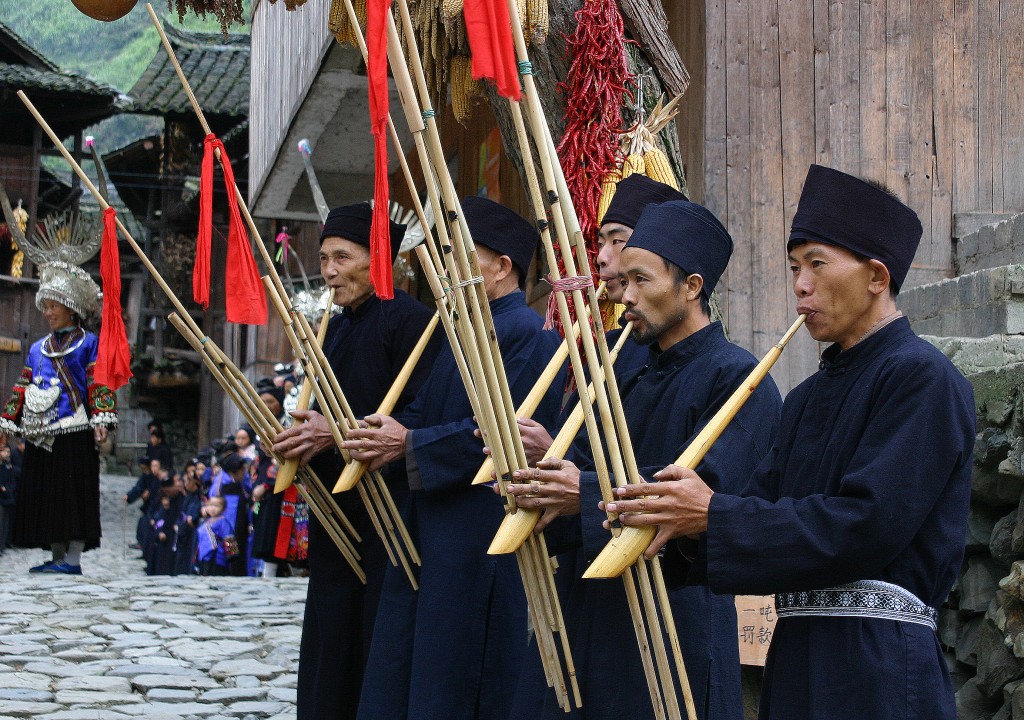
x=666, y=403
x=451, y=651
x=870, y=479
x=366, y=349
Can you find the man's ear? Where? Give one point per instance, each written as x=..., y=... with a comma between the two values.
x=694, y=284
x=505, y=267
x=879, y=280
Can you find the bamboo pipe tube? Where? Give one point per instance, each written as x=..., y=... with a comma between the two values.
x=611, y=411
x=230, y=386
x=540, y=388
x=624, y=549
x=354, y=470
x=286, y=473
x=515, y=528
x=377, y=511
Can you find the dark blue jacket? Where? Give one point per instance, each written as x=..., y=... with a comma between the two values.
x=870, y=480
x=448, y=652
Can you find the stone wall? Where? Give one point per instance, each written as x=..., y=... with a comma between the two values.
x=991, y=246
x=982, y=625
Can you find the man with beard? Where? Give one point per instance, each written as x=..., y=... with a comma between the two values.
x=668, y=269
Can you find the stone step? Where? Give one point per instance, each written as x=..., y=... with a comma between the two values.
x=981, y=303
x=990, y=246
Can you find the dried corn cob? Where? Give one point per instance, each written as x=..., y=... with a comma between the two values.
x=536, y=30
x=608, y=186
x=337, y=22
x=634, y=164
x=463, y=88
x=657, y=167
x=450, y=9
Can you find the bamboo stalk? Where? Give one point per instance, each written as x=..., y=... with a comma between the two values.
x=355, y=469
x=624, y=549
x=286, y=473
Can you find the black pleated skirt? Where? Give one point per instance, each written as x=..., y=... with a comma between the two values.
x=59, y=494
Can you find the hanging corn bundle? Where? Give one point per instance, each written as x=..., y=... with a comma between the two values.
x=641, y=154
x=465, y=90
x=338, y=22
x=595, y=89
x=227, y=12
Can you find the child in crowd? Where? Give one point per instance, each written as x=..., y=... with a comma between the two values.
x=215, y=539
x=188, y=521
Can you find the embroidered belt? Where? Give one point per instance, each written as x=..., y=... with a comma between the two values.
x=864, y=598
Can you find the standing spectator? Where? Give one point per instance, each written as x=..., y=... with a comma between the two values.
x=63, y=414
x=235, y=486
x=8, y=485
x=216, y=539
x=158, y=449
x=188, y=521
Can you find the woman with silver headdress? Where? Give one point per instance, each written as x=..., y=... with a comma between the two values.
x=56, y=405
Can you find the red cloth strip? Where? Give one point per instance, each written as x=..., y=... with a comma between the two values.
x=114, y=357
x=377, y=75
x=489, y=31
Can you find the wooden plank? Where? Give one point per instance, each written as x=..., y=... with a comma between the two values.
x=823, y=90
x=701, y=46
x=767, y=223
x=1011, y=17
x=921, y=148
x=714, y=118
x=797, y=62
x=844, y=66
x=872, y=74
x=897, y=97
x=739, y=281
x=989, y=110
x=965, y=106
x=942, y=123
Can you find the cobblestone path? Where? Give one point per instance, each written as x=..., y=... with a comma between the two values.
x=115, y=643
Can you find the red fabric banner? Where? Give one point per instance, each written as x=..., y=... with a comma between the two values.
x=377, y=75
x=113, y=358
x=493, y=54
x=245, y=300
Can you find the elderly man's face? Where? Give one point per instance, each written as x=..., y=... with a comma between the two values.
x=345, y=266
x=832, y=288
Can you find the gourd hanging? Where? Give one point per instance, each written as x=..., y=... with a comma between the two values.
x=105, y=10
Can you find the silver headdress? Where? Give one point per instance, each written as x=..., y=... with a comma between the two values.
x=64, y=242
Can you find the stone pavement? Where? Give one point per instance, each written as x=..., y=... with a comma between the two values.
x=115, y=643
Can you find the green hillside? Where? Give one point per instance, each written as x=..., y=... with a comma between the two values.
x=114, y=53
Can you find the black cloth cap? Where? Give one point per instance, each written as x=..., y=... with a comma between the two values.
x=496, y=227
x=688, y=235
x=232, y=461
x=633, y=194
x=839, y=209
x=352, y=222
x=267, y=387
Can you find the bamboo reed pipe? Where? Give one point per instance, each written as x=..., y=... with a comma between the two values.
x=286, y=473
x=515, y=528
x=624, y=549
x=355, y=469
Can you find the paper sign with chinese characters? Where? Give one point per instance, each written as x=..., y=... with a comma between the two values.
x=755, y=620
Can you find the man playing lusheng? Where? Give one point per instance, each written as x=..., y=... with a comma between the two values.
x=858, y=517
x=668, y=269
x=366, y=345
x=452, y=650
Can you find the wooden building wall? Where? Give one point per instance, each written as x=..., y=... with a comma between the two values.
x=925, y=95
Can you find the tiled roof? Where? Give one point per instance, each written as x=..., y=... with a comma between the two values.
x=217, y=68
x=25, y=77
x=22, y=67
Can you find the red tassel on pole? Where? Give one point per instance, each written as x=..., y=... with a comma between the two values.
x=489, y=31
x=244, y=298
x=113, y=358
x=204, y=238
x=377, y=74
